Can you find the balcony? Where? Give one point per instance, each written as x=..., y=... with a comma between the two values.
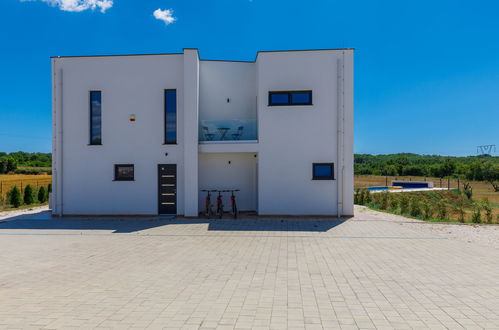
x=228, y=131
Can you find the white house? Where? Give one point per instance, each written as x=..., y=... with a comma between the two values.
x=145, y=134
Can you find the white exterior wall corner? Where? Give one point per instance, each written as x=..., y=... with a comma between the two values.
x=348, y=136
x=292, y=138
x=191, y=136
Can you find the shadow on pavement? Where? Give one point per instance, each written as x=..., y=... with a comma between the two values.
x=45, y=221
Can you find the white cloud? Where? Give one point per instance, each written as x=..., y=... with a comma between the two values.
x=165, y=15
x=79, y=5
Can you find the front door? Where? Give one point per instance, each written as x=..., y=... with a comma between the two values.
x=167, y=189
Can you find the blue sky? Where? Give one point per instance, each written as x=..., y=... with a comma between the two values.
x=426, y=72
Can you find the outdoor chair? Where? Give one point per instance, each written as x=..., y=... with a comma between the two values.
x=208, y=136
x=238, y=134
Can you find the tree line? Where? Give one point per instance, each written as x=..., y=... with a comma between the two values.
x=476, y=168
x=10, y=162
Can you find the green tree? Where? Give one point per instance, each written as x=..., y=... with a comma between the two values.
x=14, y=197
x=11, y=164
x=42, y=195
x=490, y=173
x=29, y=195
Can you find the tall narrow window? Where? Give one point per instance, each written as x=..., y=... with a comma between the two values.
x=170, y=116
x=95, y=118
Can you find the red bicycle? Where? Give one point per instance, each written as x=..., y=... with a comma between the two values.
x=220, y=205
x=207, y=203
x=233, y=203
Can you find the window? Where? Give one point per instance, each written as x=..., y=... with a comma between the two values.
x=323, y=171
x=123, y=172
x=290, y=98
x=95, y=118
x=170, y=116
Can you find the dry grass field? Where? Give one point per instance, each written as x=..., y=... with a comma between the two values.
x=7, y=181
x=481, y=190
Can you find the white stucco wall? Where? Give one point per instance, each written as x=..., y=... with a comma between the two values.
x=222, y=80
x=292, y=138
x=215, y=172
x=129, y=85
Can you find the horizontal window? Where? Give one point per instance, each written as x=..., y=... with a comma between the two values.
x=323, y=171
x=124, y=172
x=290, y=98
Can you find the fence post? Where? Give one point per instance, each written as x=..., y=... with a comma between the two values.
x=458, y=185
x=440, y=182
x=448, y=183
x=386, y=181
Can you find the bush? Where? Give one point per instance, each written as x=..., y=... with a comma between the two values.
x=367, y=196
x=427, y=210
x=14, y=197
x=461, y=214
x=476, y=216
x=394, y=203
x=488, y=211
x=468, y=191
x=357, y=197
x=404, y=204
x=384, y=200
x=441, y=211
x=415, y=208
x=42, y=195
x=49, y=188
x=29, y=195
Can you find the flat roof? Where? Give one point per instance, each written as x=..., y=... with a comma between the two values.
x=257, y=53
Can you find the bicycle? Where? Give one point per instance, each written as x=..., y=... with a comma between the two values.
x=207, y=203
x=234, y=210
x=220, y=205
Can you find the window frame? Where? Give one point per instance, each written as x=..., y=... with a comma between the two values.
x=165, y=115
x=116, y=178
x=315, y=177
x=290, y=98
x=90, y=135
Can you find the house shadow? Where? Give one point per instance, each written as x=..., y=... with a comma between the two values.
x=45, y=221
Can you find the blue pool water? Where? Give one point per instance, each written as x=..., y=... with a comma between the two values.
x=377, y=188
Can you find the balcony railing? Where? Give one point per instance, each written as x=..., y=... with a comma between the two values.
x=228, y=130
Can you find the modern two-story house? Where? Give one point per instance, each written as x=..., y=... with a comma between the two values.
x=145, y=134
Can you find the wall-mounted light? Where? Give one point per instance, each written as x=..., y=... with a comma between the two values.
x=228, y=100
x=166, y=154
x=132, y=118
x=229, y=161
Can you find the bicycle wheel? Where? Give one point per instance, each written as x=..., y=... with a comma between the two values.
x=234, y=210
x=220, y=211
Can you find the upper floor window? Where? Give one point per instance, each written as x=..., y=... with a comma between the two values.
x=170, y=116
x=290, y=98
x=95, y=117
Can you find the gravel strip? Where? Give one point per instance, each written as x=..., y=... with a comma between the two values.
x=482, y=234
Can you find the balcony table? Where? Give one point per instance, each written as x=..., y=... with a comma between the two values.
x=223, y=132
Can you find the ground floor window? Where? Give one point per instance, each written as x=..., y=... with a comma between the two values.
x=323, y=171
x=123, y=172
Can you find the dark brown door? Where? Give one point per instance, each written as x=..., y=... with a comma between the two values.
x=167, y=189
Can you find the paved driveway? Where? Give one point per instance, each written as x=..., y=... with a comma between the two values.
x=365, y=272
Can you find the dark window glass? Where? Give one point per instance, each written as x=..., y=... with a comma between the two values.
x=170, y=116
x=95, y=117
x=279, y=98
x=301, y=98
x=290, y=98
x=323, y=171
x=124, y=172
